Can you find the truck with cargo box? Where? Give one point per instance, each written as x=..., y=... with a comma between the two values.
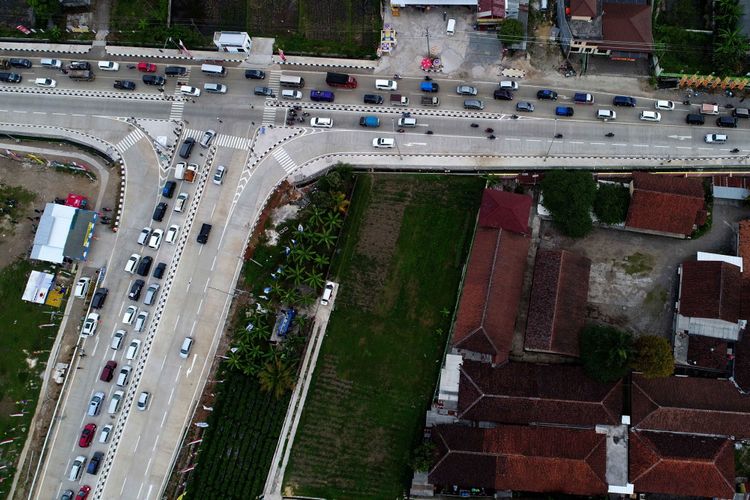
x=341, y=80
x=399, y=100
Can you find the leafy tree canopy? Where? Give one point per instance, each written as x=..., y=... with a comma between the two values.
x=511, y=32
x=606, y=352
x=653, y=357
x=611, y=203
x=569, y=195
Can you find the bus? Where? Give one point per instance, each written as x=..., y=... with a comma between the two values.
x=296, y=82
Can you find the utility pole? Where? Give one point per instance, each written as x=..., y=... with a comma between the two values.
x=427, y=31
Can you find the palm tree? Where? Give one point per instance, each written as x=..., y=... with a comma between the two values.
x=276, y=289
x=302, y=254
x=276, y=377
x=730, y=50
x=234, y=360
x=290, y=296
x=727, y=13
x=321, y=260
x=333, y=220
x=340, y=202
x=326, y=237
x=315, y=279
x=306, y=300
x=315, y=219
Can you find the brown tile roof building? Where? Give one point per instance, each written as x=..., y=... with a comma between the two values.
x=521, y=458
x=708, y=353
x=678, y=464
x=690, y=405
x=710, y=289
x=557, y=308
x=665, y=204
x=626, y=27
x=523, y=393
x=487, y=310
x=583, y=8
x=504, y=210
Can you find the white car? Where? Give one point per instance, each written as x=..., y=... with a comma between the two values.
x=132, y=264
x=650, y=116
x=143, y=400
x=172, y=233
x=179, y=204
x=89, y=326
x=45, y=82
x=208, y=136
x=108, y=66
x=606, y=114
x=155, y=240
x=140, y=321
x=319, y=122
x=143, y=235
x=665, y=105
x=82, y=286
x=215, y=88
x=716, y=138
x=383, y=142
x=221, y=171
x=117, y=339
x=191, y=91
x=105, y=433
x=508, y=85
x=129, y=315
x=132, y=350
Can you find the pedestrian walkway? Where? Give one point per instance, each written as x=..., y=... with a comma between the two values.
x=286, y=161
x=269, y=115
x=175, y=113
x=129, y=140
x=232, y=141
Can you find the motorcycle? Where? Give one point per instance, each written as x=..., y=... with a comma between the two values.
x=427, y=79
x=609, y=134
x=491, y=137
x=429, y=132
x=401, y=131
x=558, y=136
x=735, y=150
x=489, y=130
x=397, y=77
x=131, y=66
x=474, y=125
x=515, y=117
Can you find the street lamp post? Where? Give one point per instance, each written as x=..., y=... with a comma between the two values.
x=554, y=136
x=395, y=139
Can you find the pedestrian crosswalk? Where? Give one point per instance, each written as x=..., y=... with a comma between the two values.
x=269, y=115
x=286, y=161
x=221, y=140
x=129, y=140
x=177, y=107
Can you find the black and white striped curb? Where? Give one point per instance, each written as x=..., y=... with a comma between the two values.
x=92, y=93
x=323, y=64
x=254, y=157
x=124, y=51
x=46, y=48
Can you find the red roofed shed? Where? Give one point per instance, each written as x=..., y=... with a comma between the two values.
x=665, y=204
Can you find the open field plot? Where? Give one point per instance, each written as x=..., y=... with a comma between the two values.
x=399, y=268
x=633, y=282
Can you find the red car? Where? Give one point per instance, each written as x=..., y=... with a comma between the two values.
x=146, y=67
x=87, y=434
x=83, y=493
x=108, y=371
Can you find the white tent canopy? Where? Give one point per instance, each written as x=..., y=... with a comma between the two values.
x=54, y=226
x=37, y=287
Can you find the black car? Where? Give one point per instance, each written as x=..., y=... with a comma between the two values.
x=99, y=297
x=135, y=289
x=19, y=63
x=503, y=95
x=255, y=74
x=10, y=77
x=79, y=65
x=266, y=91
x=186, y=148
x=124, y=85
x=96, y=460
x=175, y=70
x=547, y=94
x=159, y=211
x=373, y=99
x=154, y=80
x=145, y=266
x=203, y=235
x=159, y=271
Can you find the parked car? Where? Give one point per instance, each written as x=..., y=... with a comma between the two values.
x=473, y=104
x=321, y=122
x=524, y=106
x=159, y=270
x=154, y=80
x=105, y=433
x=140, y=321
x=155, y=240
x=129, y=315
x=108, y=371
x=264, y=91
x=255, y=74
x=664, y=105
x=179, y=204
x=108, y=66
x=89, y=326
x=218, y=178
x=146, y=67
x=83, y=493
x=124, y=85
x=172, y=233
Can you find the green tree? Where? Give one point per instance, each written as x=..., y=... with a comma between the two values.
x=44, y=10
x=606, y=352
x=653, y=357
x=234, y=360
x=276, y=377
x=569, y=196
x=315, y=279
x=511, y=32
x=423, y=456
x=727, y=14
x=730, y=49
x=325, y=237
x=611, y=203
x=321, y=260
x=315, y=217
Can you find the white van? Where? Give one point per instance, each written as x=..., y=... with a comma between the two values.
x=117, y=339
x=179, y=171
x=715, y=138
x=51, y=63
x=213, y=70
x=77, y=468
x=82, y=287
x=187, y=343
x=386, y=85
x=114, y=403
x=407, y=122
x=123, y=376
x=451, y=29
x=291, y=94
x=327, y=292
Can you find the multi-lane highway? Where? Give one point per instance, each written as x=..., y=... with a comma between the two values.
x=196, y=290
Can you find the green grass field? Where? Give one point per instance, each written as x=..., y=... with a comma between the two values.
x=398, y=268
x=24, y=347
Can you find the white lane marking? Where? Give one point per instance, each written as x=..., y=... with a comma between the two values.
x=212, y=211
x=683, y=147
x=533, y=140
x=96, y=344
x=575, y=142
x=640, y=145
x=177, y=377
x=171, y=394
x=39, y=113
x=187, y=373
x=151, y=486
x=619, y=144
x=76, y=114
x=162, y=364
x=195, y=322
x=213, y=264
x=512, y=139
x=200, y=306
x=59, y=114
x=123, y=486
x=596, y=143
x=661, y=146
x=205, y=287
x=162, y=422
x=136, y=443
x=139, y=491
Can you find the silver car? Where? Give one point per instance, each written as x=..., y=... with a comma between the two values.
x=208, y=136
x=473, y=104
x=466, y=90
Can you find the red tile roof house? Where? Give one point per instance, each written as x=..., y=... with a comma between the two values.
x=557, y=307
x=493, y=281
x=665, y=205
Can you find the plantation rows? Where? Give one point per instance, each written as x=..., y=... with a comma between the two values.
x=237, y=449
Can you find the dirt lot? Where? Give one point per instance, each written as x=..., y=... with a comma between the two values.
x=633, y=282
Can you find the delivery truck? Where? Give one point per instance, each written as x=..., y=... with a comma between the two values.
x=430, y=101
x=341, y=80
x=399, y=100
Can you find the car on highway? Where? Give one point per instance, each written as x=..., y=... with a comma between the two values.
x=151, y=292
x=146, y=67
x=79, y=66
x=143, y=400
x=132, y=263
x=606, y=114
x=525, y=106
x=67, y=495
x=564, y=111
x=145, y=266
x=503, y=95
x=215, y=88
x=123, y=376
x=95, y=462
x=51, y=63
x=547, y=95
x=650, y=116
x=373, y=99
x=295, y=95
x=87, y=435
x=155, y=240
x=132, y=350
x=320, y=122
x=175, y=70
x=19, y=62
x=187, y=343
x=83, y=493
x=89, y=326
x=159, y=212
x=45, y=82
x=624, y=100
x=159, y=270
x=76, y=468
x=508, y=85
x=255, y=74
x=108, y=371
x=172, y=233
x=179, y=204
x=466, y=90
x=154, y=80
x=105, y=433
x=383, y=142
x=143, y=235
x=208, y=136
x=125, y=84
x=95, y=404
x=114, y=403
x=473, y=104
x=129, y=315
x=117, y=339
x=135, y=289
x=203, y=234
x=190, y=91
x=108, y=66
x=99, y=298
x=218, y=178
x=264, y=91
x=716, y=138
x=140, y=321
x=82, y=287
x=386, y=85
x=664, y=105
